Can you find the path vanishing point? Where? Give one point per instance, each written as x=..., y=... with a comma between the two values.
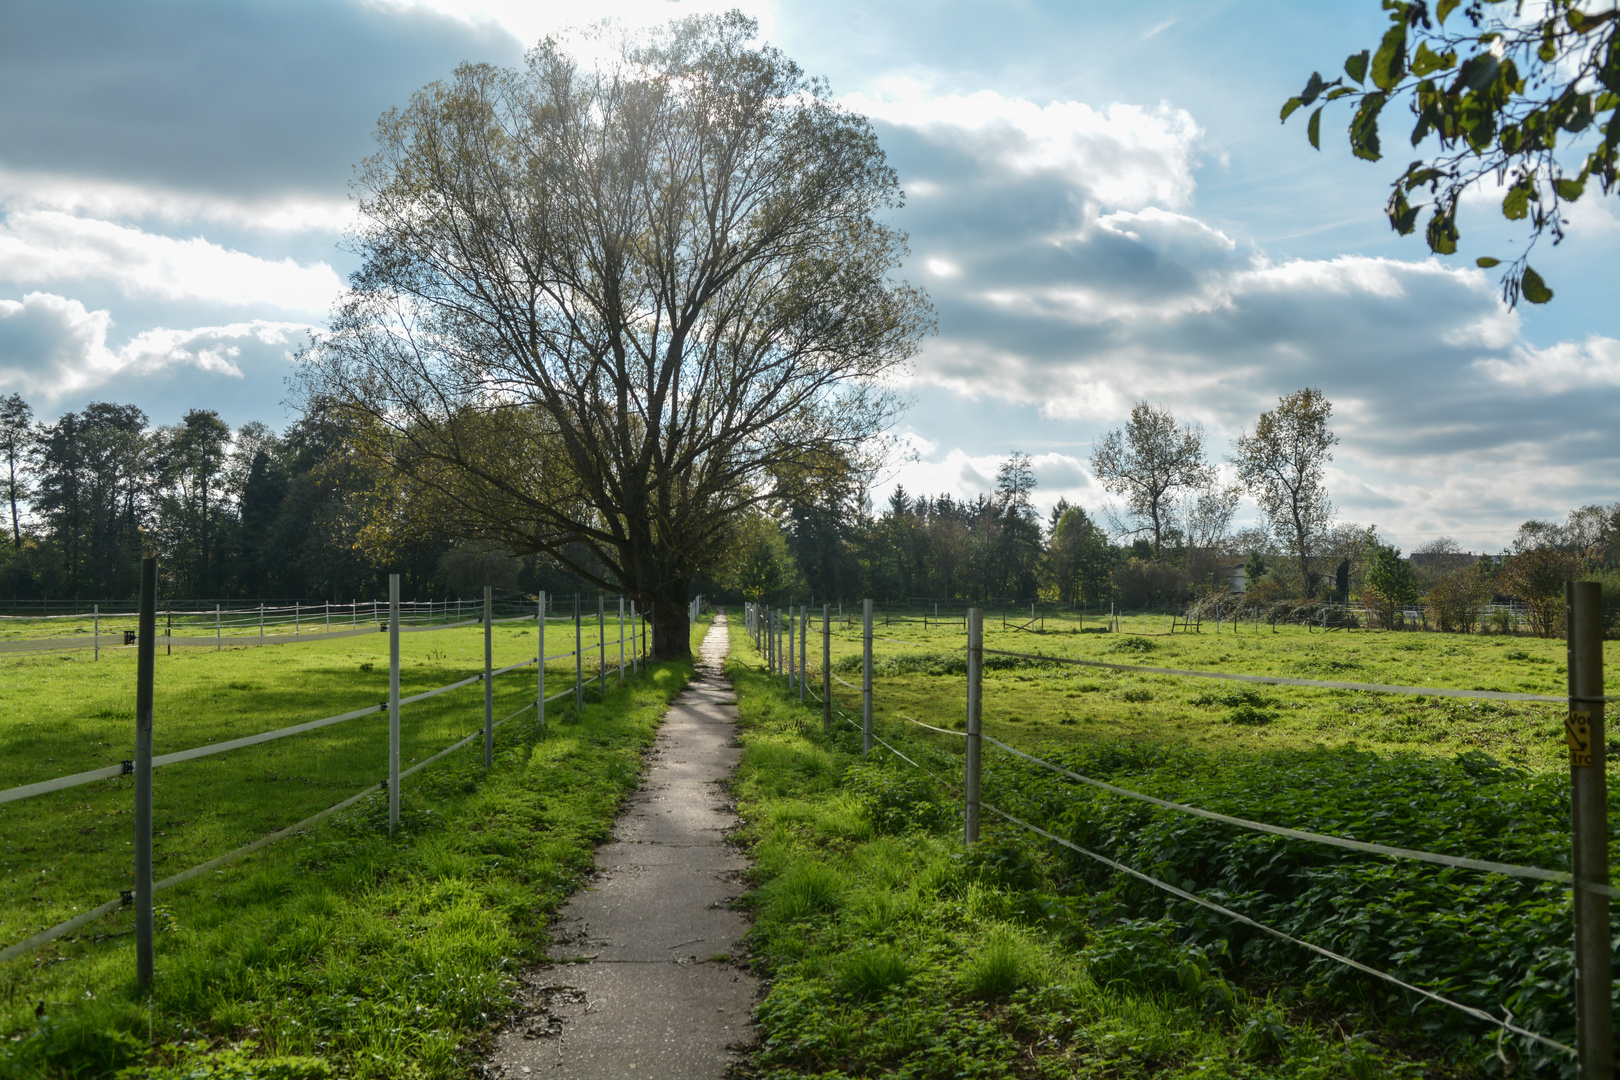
x=642, y=982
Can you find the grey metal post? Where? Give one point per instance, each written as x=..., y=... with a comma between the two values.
x=601, y=644
x=635, y=629
x=295, y=618
x=789, y=658
x=975, y=716
x=98, y=631
x=393, y=703
x=145, y=661
x=770, y=641
x=621, y=641
x=540, y=661
x=826, y=669
x=489, y=676
x=866, y=678
x=261, y=624
x=1588, y=799
x=804, y=632
x=219, y=631
x=579, y=661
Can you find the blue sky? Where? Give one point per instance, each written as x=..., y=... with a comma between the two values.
x=1100, y=199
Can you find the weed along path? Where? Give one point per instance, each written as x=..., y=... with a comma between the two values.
x=642, y=981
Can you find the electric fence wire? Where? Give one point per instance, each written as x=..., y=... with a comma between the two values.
x=1469, y=1010
x=67, y=927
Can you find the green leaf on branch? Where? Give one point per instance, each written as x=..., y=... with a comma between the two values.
x=1485, y=262
x=1313, y=88
x=1313, y=130
x=1444, y=8
x=1517, y=204
x=1364, y=127
x=1289, y=106
x=1338, y=92
x=1427, y=60
x=1570, y=190
x=1389, y=63
x=1355, y=66
x=1535, y=290
x=1416, y=177
x=1442, y=233
x=1402, y=214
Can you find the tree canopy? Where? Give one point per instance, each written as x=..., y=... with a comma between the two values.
x=1494, y=91
x=605, y=306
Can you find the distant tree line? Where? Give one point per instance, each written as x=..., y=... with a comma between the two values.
x=1171, y=542
x=248, y=513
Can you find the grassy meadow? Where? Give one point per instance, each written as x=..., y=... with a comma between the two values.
x=336, y=949
x=895, y=952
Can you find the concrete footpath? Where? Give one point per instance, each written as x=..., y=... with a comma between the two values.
x=643, y=983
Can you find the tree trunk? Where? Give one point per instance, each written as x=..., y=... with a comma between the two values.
x=672, y=632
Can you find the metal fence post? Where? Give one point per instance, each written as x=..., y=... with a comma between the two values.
x=219, y=631
x=621, y=641
x=1588, y=797
x=866, y=679
x=489, y=677
x=601, y=645
x=975, y=711
x=635, y=629
x=579, y=661
x=804, y=632
x=788, y=660
x=145, y=658
x=98, y=631
x=540, y=661
x=826, y=669
x=393, y=703
x=261, y=624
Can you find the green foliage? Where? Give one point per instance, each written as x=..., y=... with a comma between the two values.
x=1519, y=83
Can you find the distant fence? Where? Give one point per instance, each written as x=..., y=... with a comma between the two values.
x=634, y=643
x=774, y=633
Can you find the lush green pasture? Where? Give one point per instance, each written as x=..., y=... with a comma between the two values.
x=897, y=953
x=383, y=958
x=918, y=672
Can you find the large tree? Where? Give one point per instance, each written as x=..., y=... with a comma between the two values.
x=1281, y=465
x=602, y=304
x=192, y=467
x=1153, y=462
x=1495, y=91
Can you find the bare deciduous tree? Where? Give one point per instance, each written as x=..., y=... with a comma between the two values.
x=608, y=304
x=1281, y=465
x=1151, y=462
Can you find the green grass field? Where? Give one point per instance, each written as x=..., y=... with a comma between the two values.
x=381, y=958
x=896, y=952
x=1080, y=704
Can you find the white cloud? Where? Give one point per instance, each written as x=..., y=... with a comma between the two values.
x=40, y=247
x=1558, y=368
x=1126, y=156
x=529, y=22
x=93, y=197
x=52, y=346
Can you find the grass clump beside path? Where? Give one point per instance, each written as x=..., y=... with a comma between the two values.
x=339, y=952
x=894, y=951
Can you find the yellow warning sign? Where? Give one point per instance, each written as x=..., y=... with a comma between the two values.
x=1578, y=734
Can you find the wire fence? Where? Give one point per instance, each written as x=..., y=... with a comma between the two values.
x=632, y=637
x=773, y=631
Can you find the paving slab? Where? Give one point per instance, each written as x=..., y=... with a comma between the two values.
x=642, y=983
